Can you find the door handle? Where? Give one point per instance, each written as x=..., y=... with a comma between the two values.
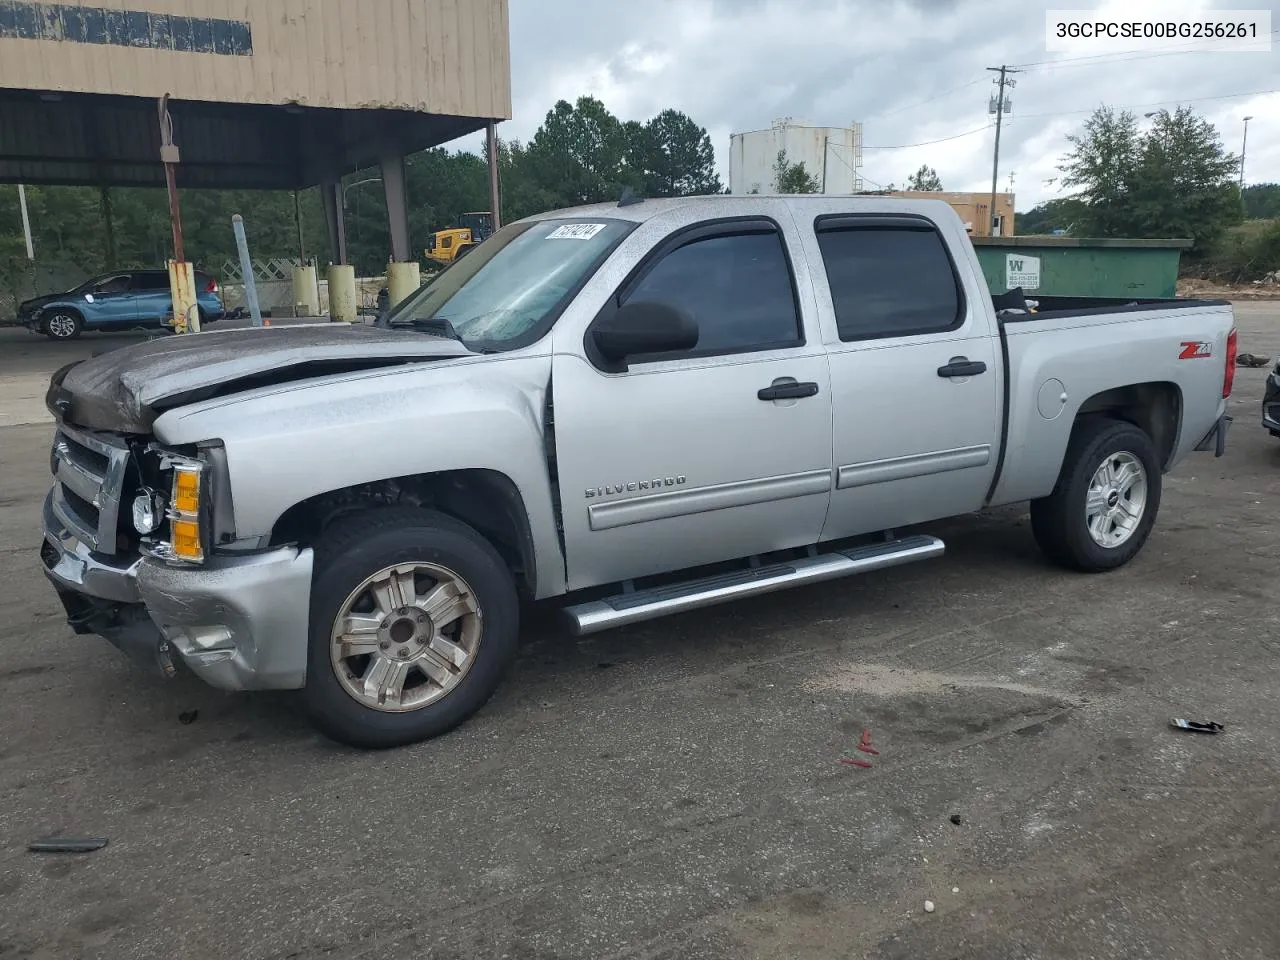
x=787, y=391
x=962, y=367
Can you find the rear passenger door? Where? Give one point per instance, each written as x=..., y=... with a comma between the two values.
x=153, y=298
x=916, y=374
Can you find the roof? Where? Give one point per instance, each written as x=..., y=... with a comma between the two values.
x=730, y=205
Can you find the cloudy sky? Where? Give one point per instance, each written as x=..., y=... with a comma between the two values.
x=910, y=71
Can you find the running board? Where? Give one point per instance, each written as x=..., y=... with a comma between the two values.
x=625, y=608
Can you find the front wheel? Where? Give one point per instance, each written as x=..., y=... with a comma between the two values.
x=1104, y=505
x=62, y=325
x=414, y=620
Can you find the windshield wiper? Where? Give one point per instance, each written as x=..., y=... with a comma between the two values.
x=438, y=326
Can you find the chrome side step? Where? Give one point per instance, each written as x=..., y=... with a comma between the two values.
x=625, y=608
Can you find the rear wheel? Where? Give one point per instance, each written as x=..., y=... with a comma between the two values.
x=62, y=324
x=414, y=620
x=1104, y=505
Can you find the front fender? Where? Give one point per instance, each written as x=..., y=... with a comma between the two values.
x=287, y=444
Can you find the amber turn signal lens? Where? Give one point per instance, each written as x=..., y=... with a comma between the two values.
x=185, y=538
x=186, y=491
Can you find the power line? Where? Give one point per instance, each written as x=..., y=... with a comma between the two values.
x=921, y=103
x=925, y=143
x=1157, y=103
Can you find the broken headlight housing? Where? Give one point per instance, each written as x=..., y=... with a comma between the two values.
x=175, y=524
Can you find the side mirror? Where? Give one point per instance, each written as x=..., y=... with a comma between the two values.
x=642, y=328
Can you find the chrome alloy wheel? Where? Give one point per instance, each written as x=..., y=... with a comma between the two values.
x=1116, y=500
x=405, y=637
x=61, y=325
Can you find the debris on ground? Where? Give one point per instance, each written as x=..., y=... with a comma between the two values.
x=855, y=762
x=1251, y=360
x=955, y=889
x=67, y=844
x=188, y=716
x=928, y=906
x=1197, y=726
x=865, y=744
x=955, y=818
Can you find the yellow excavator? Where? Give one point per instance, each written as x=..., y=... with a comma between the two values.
x=448, y=245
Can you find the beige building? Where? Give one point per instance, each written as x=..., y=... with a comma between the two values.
x=277, y=94
x=973, y=209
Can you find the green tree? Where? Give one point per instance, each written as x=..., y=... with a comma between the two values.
x=1185, y=182
x=671, y=156
x=1102, y=164
x=1059, y=214
x=577, y=155
x=1262, y=201
x=791, y=177
x=1175, y=180
x=926, y=178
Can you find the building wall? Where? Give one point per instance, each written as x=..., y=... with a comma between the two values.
x=436, y=56
x=752, y=156
x=972, y=208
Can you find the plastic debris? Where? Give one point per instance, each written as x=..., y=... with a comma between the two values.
x=865, y=744
x=855, y=762
x=67, y=844
x=955, y=818
x=955, y=889
x=1197, y=726
x=928, y=906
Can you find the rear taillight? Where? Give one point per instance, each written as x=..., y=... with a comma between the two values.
x=1229, y=374
x=212, y=286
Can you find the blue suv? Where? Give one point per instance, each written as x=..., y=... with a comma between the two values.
x=123, y=300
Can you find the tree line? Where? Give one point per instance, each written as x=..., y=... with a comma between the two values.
x=581, y=153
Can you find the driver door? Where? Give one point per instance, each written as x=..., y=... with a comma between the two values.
x=687, y=459
x=113, y=304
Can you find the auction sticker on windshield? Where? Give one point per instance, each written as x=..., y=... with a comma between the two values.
x=575, y=231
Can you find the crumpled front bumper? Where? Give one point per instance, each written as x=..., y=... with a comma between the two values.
x=239, y=623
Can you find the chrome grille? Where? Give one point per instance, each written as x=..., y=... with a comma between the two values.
x=89, y=473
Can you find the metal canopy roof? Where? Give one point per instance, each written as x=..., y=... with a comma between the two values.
x=101, y=139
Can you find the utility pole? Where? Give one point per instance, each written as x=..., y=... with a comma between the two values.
x=1244, y=142
x=998, y=108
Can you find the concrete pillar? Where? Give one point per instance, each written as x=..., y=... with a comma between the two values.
x=393, y=186
x=342, y=292
x=331, y=201
x=306, y=289
x=403, y=279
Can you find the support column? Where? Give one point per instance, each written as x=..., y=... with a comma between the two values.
x=393, y=186
x=495, y=198
x=331, y=201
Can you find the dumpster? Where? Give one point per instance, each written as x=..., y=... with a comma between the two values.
x=1081, y=266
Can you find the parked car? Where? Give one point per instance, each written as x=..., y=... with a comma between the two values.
x=121, y=300
x=641, y=409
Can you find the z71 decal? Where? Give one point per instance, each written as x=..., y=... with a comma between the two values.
x=1195, y=350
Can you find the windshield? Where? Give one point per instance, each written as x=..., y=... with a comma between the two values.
x=508, y=290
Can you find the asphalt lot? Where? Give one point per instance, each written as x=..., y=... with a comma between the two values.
x=674, y=789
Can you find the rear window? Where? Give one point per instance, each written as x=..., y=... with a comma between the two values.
x=889, y=281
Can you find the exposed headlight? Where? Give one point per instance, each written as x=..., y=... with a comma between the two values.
x=146, y=512
x=184, y=512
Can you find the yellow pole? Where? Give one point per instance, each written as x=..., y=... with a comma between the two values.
x=182, y=287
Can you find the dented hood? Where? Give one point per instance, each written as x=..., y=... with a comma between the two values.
x=127, y=389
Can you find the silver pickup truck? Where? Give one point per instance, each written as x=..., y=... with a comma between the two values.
x=640, y=408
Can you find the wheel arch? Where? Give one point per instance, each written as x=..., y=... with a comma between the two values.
x=486, y=500
x=1155, y=407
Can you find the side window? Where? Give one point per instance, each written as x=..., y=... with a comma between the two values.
x=737, y=287
x=150, y=281
x=113, y=285
x=890, y=281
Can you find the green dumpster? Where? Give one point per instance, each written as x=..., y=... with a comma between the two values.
x=1080, y=266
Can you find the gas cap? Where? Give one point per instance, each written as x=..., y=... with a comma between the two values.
x=1052, y=399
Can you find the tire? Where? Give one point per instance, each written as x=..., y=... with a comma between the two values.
x=426, y=542
x=61, y=324
x=1061, y=522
